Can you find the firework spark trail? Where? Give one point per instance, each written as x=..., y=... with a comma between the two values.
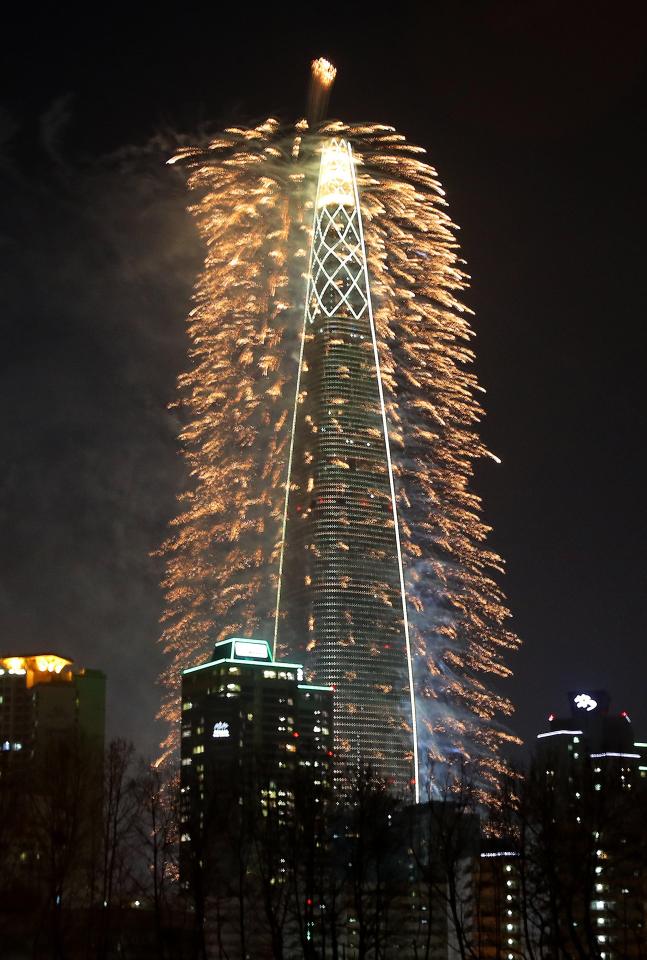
x=254, y=212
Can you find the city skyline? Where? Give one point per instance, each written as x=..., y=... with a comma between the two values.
x=543, y=176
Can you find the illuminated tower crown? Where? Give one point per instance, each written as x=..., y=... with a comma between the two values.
x=341, y=604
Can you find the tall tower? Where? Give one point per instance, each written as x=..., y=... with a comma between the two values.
x=290, y=529
x=341, y=606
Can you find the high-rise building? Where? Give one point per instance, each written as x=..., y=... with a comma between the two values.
x=341, y=606
x=590, y=737
x=43, y=696
x=332, y=431
x=592, y=794
x=496, y=922
x=252, y=732
x=52, y=720
x=641, y=746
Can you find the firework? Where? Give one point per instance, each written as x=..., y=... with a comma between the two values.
x=322, y=77
x=255, y=193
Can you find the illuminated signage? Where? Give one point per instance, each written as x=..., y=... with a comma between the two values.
x=585, y=702
x=253, y=649
x=588, y=701
x=220, y=730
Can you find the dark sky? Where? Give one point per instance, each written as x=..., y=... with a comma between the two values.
x=533, y=115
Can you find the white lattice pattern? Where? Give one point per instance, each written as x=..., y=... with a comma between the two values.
x=337, y=276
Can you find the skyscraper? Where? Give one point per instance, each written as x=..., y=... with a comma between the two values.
x=331, y=433
x=253, y=735
x=341, y=605
x=592, y=797
x=44, y=698
x=52, y=727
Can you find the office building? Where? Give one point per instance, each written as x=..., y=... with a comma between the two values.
x=591, y=737
x=589, y=763
x=254, y=737
x=44, y=696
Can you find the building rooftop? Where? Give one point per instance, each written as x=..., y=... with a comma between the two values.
x=20, y=663
x=256, y=653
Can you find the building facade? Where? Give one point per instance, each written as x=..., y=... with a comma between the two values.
x=589, y=764
x=495, y=928
x=52, y=719
x=341, y=607
x=255, y=737
x=42, y=697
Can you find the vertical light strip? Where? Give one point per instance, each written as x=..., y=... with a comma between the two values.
x=294, y=421
x=390, y=468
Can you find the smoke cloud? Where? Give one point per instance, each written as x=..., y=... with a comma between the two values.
x=97, y=261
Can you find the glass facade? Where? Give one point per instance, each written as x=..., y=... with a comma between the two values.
x=341, y=607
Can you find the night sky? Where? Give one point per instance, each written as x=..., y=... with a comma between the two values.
x=533, y=115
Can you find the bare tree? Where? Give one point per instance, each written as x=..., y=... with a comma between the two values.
x=62, y=795
x=444, y=840
x=156, y=828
